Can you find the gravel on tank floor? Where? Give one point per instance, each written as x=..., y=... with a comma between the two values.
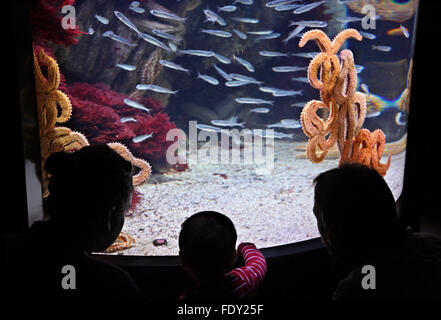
x=268, y=208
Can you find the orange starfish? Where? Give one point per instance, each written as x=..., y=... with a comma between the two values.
x=350, y=120
x=144, y=166
x=124, y=241
x=367, y=149
x=326, y=61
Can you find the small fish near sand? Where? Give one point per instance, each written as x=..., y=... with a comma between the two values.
x=136, y=105
x=143, y=137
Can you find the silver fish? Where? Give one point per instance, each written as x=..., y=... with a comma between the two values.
x=206, y=127
x=218, y=33
x=135, y=105
x=348, y=19
x=261, y=32
x=286, y=93
x=137, y=10
x=91, y=30
x=117, y=38
x=126, y=21
x=275, y=134
x=291, y=123
x=310, y=23
x=269, y=36
x=268, y=89
x=127, y=119
x=398, y=119
x=172, y=46
x=299, y=104
x=245, y=63
x=165, y=35
x=241, y=35
x=208, y=79
x=227, y=8
x=241, y=77
x=214, y=17
x=253, y=101
x=365, y=88
x=359, y=68
x=237, y=83
x=308, y=7
x=246, y=2
x=142, y=138
x=276, y=3
x=154, y=41
x=166, y=15
x=276, y=125
x=272, y=54
x=301, y=79
x=222, y=59
x=405, y=32
x=127, y=67
x=293, y=33
x=246, y=20
x=382, y=48
x=134, y=4
x=368, y=35
x=101, y=19
x=373, y=114
x=309, y=55
x=260, y=110
x=286, y=7
x=288, y=69
x=224, y=75
x=200, y=53
x=173, y=65
x=228, y=123
x=155, y=88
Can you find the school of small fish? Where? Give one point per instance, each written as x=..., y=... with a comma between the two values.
x=223, y=18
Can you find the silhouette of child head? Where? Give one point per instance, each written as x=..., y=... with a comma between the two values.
x=89, y=191
x=207, y=244
x=355, y=210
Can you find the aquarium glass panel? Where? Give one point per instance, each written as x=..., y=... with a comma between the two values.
x=211, y=93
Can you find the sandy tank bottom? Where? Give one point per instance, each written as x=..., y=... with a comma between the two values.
x=268, y=210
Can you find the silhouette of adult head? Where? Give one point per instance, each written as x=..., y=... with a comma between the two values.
x=355, y=211
x=89, y=191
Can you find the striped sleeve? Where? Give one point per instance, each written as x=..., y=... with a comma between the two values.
x=247, y=279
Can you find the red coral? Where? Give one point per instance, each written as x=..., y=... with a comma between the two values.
x=45, y=17
x=97, y=110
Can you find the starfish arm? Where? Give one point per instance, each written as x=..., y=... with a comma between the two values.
x=313, y=68
x=53, y=78
x=322, y=40
x=342, y=37
x=144, y=166
x=360, y=101
x=61, y=100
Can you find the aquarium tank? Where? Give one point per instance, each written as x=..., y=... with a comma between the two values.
x=233, y=106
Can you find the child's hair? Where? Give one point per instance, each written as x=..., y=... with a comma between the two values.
x=86, y=184
x=207, y=242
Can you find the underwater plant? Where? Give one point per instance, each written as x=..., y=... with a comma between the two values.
x=347, y=108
